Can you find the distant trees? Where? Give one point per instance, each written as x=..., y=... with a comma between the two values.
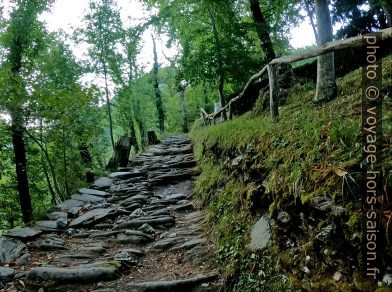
x=21, y=41
x=103, y=32
x=157, y=90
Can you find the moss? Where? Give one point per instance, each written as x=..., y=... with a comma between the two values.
x=312, y=151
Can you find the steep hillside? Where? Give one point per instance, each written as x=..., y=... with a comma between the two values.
x=304, y=171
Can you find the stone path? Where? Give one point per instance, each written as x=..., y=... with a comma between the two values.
x=135, y=230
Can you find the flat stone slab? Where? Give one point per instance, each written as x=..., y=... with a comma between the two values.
x=190, y=244
x=88, y=198
x=71, y=204
x=134, y=251
x=163, y=245
x=260, y=234
x=96, y=193
x=58, y=215
x=6, y=275
x=75, y=275
x=93, y=250
x=175, y=197
x=102, y=183
x=126, y=174
x=141, y=221
x=50, y=242
x=10, y=249
x=91, y=217
x=174, y=285
x=26, y=233
x=130, y=239
x=49, y=226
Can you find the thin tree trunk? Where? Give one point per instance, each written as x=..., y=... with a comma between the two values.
x=65, y=167
x=158, y=97
x=185, y=126
x=310, y=15
x=105, y=72
x=262, y=29
x=47, y=157
x=21, y=165
x=326, y=83
x=50, y=187
x=221, y=70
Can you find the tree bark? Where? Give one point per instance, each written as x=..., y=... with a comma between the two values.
x=50, y=187
x=262, y=29
x=158, y=97
x=17, y=131
x=21, y=165
x=185, y=126
x=65, y=166
x=326, y=83
x=273, y=84
x=310, y=15
x=105, y=72
x=109, y=109
x=221, y=70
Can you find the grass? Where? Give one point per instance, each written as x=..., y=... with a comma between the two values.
x=312, y=150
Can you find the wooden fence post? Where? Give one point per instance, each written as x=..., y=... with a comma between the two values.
x=273, y=84
x=230, y=113
x=203, y=118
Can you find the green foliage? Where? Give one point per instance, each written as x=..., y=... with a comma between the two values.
x=297, y=158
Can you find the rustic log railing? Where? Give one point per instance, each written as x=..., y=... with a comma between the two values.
x=271, y=69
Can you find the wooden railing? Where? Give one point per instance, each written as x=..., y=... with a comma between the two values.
x=271, y=69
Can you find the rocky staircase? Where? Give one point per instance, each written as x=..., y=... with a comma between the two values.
x=135, y=230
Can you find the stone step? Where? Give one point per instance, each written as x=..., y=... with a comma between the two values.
x=174, y=285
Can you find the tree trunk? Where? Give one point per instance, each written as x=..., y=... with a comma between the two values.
x=65, y=166
x=158, y=97
x=109, y=109
x=132, y=129
x=274, y=94
x=50, y=187
x=221, y=70
x=310, y=15
x=21, y=165
x=262, y=29
x=185, y=127
x=326, y=83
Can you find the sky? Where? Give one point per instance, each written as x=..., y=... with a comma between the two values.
x=66, y=14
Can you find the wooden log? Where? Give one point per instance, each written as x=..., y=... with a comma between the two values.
x=250, y=82
x=323, y=49
x=273, y=84
x=329, y=47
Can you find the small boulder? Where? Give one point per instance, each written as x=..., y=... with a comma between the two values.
x=260, y=234
x=10, y=249
x=24, y=233
x=6, y=275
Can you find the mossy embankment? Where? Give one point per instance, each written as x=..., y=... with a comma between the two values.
x=251, y=165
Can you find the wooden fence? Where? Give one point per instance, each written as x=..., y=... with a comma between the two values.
x=271, y=69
